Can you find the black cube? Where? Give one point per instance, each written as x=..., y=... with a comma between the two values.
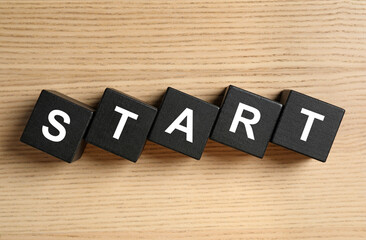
x=121, y=124
x=183, y=123
x=246, y=121
x=57, y=126
x=307, y=125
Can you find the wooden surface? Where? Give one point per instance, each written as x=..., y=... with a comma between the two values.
x=141, y=47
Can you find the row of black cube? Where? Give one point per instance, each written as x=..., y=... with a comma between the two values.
x=61, y=126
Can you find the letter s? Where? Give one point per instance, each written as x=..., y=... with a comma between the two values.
x=57, y=125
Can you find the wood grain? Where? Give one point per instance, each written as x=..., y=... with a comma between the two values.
x=141, y=47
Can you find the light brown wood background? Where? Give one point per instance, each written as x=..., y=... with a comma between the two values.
x=141, y=47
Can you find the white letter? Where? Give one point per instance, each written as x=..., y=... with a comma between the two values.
x=309, y=122
x=57, y=125
x=187, y=113
x=125, y=115
x=247, y=122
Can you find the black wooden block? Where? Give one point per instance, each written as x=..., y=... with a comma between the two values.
x=183, y=123
x=307, y=125
x=246, y=121
x=121, y=124
x=57, y=126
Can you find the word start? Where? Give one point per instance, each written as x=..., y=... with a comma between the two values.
x=61, y=126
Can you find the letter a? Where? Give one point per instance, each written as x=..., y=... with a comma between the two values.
x=187, y=113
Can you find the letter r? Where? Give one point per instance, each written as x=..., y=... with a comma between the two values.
x=247, y=122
